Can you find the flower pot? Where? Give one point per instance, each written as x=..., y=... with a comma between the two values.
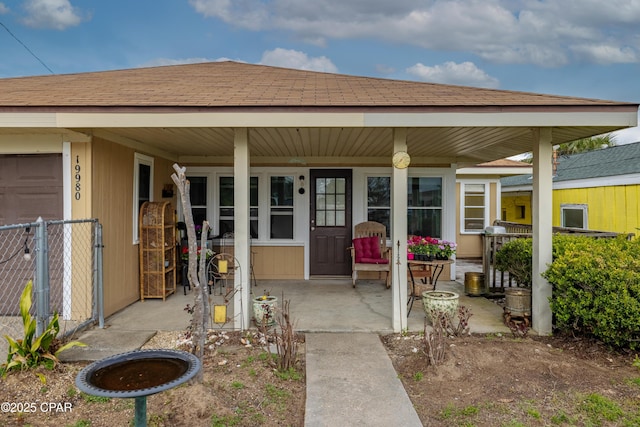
x=440, y=301
x=264, y=310
x=474, y=284
x=517, y=302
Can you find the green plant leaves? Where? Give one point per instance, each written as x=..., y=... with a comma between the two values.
x=30, y=352
x=596, y=288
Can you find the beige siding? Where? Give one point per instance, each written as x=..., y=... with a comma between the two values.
x=274, y=262
x=278, y=262
x=112, y=205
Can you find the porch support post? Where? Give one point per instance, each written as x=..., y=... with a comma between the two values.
x=542, y=229
x=399, y=236
x=242, y=234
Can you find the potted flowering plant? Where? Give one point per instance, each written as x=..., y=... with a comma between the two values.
x=421, y=248
x=185, y=253
x=445, y=249
x=425, y=248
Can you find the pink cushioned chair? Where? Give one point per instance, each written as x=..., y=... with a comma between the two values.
x=369, y=251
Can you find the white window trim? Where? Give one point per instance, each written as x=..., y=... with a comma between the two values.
x=585, y=213
x=267, y=203
x=139, y=159
x=487, y=203
x=264, y=179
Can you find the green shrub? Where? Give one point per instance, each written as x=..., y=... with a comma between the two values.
x=31, y=351
x=596, y=289
x=515, y=257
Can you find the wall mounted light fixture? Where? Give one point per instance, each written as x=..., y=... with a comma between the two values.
x=301, y=184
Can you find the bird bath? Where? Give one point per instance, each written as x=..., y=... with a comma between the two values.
x=138, y=374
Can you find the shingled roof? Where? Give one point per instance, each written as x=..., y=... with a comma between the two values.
x=232, y=84
x=612, y=161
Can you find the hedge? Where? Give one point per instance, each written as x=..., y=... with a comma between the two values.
x=596, y=284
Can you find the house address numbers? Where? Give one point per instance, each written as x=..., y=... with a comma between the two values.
x=77, y=177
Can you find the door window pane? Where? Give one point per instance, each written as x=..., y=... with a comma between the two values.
x=331, y=202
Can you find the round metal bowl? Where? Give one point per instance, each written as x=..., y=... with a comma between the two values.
x=137, y=373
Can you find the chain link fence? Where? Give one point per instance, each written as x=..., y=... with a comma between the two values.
x=64, y=261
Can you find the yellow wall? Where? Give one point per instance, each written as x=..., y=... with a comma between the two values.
x=510, y=207
x=614, y=208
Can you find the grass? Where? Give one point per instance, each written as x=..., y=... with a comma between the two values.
x=94, y=399
x=289, y=374
x=599, y=408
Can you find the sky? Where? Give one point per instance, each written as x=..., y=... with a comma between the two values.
x=583, y=48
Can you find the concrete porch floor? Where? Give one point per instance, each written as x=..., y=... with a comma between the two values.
x=319, y=305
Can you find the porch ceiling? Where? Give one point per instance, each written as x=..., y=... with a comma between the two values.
x=427, y=146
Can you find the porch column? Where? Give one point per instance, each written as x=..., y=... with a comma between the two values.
x=542, y=229
x=399, y=236
x=242, y=234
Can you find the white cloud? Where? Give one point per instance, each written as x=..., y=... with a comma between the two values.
x=605, y=54
x=299, y=60
x=51, y=14
x=465, y=73
x=543, y=32
x=3, y=9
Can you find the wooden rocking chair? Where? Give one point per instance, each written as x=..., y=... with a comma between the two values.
x=369, y=251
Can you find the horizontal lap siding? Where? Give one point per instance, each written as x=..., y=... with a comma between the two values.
x=113, y=206
x=612, y=208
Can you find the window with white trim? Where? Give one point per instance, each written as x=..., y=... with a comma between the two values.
x=379, y=200
x=226, y=206
x=574, y=216
x=475, y=207
x=281, y=207
x=142, y=187
x=424, y=202
x=198, y=196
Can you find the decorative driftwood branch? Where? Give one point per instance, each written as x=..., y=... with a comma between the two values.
x=200, y=314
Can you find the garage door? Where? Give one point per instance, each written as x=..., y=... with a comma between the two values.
x=30, y=186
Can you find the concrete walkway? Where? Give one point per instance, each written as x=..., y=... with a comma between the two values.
x=351, y=382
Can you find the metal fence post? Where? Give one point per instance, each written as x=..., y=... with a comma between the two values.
x=98, y=285
x=42, y=276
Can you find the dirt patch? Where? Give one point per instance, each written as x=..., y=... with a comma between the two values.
x=495, y=380
x=488, y=380
x=240, y=387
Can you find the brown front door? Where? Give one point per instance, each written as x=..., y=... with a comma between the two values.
x=330, y=232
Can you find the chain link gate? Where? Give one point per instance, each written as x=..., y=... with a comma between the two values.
x=64, y=261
